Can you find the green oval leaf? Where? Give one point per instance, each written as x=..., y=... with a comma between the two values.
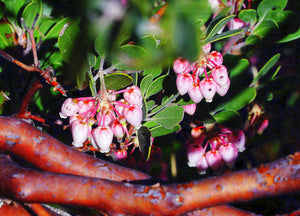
x=66, y=40
x=145, y=83
x=238, y=101
x=264, y=28
x=57, y=28
x=102, y=41
x=248, y=15
x=155, y=86
x=267, y=5
x=117, y=81
x=252, y=39
x=161, y=131
x=265, y=69
x=154, y=71
x=239, y=68
x=169, y=117
x=31, y=11
x=217, y=25
x=224, y=35
x=6, y=30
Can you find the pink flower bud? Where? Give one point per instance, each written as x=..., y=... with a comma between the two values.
x=118, y=129
x=184, y=82
x=263, y=126
x=222, y=90
x=195, y=93
x=105, y=118
x=103, y=137
x=180, y=65
x=214, y=159
x=79, y=133
x=208, y=88
x=121, y=154
x=197, y=131
x=190, y=109
x=194, y=153
x=134, y=115
x=220, y=75
x=238, y=139
x=215, y=142
x=68, y=108
x=206, y=48
x=228, y=153
x=236, y=23
x=215, y=59
x=85, y=105
x=133, y=95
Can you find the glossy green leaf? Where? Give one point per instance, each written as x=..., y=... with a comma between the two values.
x=6, y=30
x=275, y=73
x=66, y=41
x=267, y=5
x=252, y=39
x=264, y=28
x=167, y=100
x=265, y=69
x=290, y=37
x=57, y=28
x=31, y=11
x=169, y=117
x=150, y=104
x=14, y=6
x=154, y=71
x=161, y=131
x=155, y=86
x=92, y=59
x=278, y=16
x=228, y=118
x=248, y=16
x=239, y=68
x=145, y=83
x=117, y=81
x=224, y=35
x=238, y=101
x=217, y=25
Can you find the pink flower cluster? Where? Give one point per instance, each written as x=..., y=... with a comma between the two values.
x=224, y=147
x=113, y=117
x=188, y=76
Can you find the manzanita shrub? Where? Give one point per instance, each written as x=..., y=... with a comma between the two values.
x=137, y=81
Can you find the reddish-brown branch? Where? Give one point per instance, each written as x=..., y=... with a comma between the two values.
x=11, y=208
x=220, y=210
x=158, y=15
x=47, y=153
x=46, y=73
x=23, y=112
x=39, y=209
x=28, y=185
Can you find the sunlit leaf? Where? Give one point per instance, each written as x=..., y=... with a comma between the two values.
x=290, y=37
x=169, y=117
x=161, y=131
x=57, y=28
x=6, y=37
x=155, y=86
x=248, y=16
x=267, y=5
x=239, y=68
x=117, y=81
x=31, y=11
x=154, y=71
x=224, y=35
x=216, y=25
x=252, y=39
x=264, y=28
x=145, y=83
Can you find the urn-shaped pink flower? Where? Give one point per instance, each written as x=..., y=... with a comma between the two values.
x=195, y=93
x=184, y=82
x=190, y=108
x=68, y=108
x=180, y=65
x=79, y=133
x=208, y=88
x=214, y=159
x=103, y=136
x=133, y=95
x=228, y=153
x=134, y=115
x=220, y=75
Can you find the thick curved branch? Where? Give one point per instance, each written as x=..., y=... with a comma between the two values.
x=47, y=153
x=282, y=176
